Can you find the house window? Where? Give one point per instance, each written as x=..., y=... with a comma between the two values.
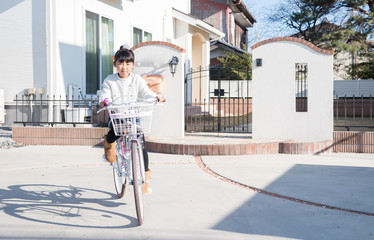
x=99, y=50
x=140, y=36
x=301, y=87
x=107, y=47
x=147, y=36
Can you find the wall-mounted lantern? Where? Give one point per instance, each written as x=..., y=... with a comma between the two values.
x=173, y=65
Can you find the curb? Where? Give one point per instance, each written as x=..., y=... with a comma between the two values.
x=206, y=169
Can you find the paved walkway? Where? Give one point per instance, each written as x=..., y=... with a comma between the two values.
x=55, y=192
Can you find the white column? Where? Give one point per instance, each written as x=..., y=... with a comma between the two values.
x=51, y=53
x=205, y=64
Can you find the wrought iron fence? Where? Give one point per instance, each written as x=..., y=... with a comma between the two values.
x=235, y=116
x=36, y=110
x=218, y=99
x=353, y=113
x=223, y=110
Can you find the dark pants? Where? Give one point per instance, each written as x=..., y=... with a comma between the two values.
x=111, y=138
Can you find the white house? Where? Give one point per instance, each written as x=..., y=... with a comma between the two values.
x=57, y=47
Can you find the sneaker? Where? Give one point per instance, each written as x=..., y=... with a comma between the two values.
x=148, y=191
x=105, y=161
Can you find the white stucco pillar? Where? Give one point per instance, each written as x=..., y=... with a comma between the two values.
x=153, y=59
x=274, y=91
x=206, y=63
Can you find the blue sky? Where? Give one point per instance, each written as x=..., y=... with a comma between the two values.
x=261, y=29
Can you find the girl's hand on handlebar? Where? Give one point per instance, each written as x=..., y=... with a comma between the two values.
x=104, y=103
x=160, y=98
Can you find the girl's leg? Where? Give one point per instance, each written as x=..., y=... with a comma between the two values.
x=110, y=146
x=145, y=155
x=111, y=137
x=146, y=190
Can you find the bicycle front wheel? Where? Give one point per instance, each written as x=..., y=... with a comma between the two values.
x=137, y=181
x=119, y=172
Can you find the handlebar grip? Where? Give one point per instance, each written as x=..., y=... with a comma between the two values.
x=106, y=102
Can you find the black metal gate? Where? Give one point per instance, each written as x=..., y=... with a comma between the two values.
x=218, y=99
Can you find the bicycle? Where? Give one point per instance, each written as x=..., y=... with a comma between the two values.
x=130, y=121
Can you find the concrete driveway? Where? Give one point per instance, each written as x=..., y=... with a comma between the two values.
x=60, y=192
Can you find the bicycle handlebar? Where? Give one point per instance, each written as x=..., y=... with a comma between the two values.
x=138, y=102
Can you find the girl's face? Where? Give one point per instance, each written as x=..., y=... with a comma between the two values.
x=124, y=69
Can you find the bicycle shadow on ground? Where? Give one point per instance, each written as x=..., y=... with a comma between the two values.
x=65, y=205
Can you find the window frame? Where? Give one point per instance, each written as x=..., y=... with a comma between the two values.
x=301, y=86
x=99, y=39
x=143, y=31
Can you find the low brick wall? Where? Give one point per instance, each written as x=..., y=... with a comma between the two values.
x=355, y=142
x=306, y=148
x=58, y=135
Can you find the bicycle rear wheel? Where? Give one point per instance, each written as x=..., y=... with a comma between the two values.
x=119, y=175
x=137, y=181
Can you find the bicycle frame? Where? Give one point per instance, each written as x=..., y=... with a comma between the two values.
x=124, y=145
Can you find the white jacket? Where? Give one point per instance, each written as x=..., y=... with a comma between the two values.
x=122, y=90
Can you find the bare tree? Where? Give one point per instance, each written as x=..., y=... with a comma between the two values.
x=343, y=25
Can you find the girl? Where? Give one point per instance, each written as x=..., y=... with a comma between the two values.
x=124, y=86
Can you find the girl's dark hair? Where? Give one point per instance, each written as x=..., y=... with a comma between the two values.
x=124, y=55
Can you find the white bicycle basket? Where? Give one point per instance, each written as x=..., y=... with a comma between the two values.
x=131, y=119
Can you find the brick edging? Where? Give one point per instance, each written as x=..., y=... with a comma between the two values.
x=162, y=43
x=213, y=149
x=209, y=171
x=285, y=147
x=293, y=39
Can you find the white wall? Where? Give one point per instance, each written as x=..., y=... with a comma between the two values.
x=48, y=38
x=22, y=35
x=357, y=88
x=70, y=25
x=168, y=120
x=274, y=114
x=42, y=43
x=2, y=109
x=70, y=38
x=184, y=5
